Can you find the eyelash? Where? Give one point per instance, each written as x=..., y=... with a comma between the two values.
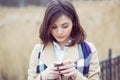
x=54, y=27
x=65, y=26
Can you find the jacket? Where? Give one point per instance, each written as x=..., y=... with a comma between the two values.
x=94, y=68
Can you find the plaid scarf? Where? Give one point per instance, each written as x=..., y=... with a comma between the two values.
x=82, y=65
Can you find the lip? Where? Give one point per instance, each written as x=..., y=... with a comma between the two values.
x=59, y=36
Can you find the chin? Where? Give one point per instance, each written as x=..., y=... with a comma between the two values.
x=59, y=41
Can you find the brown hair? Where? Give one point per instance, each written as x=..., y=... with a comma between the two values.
x=55, y=9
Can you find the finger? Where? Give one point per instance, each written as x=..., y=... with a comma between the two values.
x=66, y=66
x=67, y=62
x=54, y=68
x=69, y=74
x=67, y=70
x=53, y=77
x=56, y=72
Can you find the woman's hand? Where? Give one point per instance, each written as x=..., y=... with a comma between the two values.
x=50, y=73
x=68, y=69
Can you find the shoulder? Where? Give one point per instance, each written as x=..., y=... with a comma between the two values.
x=92, y=46
x=37, y=48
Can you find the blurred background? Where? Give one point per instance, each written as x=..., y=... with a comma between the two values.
x=19, y=30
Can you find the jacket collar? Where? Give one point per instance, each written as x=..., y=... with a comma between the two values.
x=48, y=55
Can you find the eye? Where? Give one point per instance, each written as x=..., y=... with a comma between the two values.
x=65, y=26
x=54, y=27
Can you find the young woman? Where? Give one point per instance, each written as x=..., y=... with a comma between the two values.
x=63, y=40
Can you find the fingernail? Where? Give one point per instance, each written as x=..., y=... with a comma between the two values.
x=57, y=68
x=62, y=74
x=59, y=72
x=61, y=63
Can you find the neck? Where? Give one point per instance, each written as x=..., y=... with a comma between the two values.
x=62, y=44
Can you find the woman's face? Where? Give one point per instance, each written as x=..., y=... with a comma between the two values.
x=61, y=29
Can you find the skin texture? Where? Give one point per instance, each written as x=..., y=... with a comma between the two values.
x=61, y=30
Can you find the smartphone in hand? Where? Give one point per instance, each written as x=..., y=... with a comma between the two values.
x=57, y=64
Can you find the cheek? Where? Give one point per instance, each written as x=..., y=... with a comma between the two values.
x=69, y=30
x=52, y=32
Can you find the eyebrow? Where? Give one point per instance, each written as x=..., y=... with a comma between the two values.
x=65, y=23
x=62, y=24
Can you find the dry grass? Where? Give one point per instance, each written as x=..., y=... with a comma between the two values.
x=19, y=32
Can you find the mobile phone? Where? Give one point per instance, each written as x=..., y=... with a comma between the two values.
x=57, y=64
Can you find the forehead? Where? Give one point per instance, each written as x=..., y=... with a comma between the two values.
x=63, y=19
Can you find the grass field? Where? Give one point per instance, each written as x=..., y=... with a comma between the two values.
x=19, y=33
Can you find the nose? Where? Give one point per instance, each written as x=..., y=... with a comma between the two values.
x=59, y=31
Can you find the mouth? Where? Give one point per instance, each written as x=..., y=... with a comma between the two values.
x=59, y=36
